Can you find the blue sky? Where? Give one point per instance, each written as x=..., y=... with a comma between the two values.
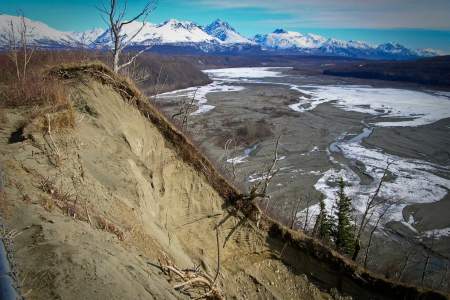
x=414, y=23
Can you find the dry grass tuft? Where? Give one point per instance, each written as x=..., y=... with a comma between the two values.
x=64, y=200
x=34, y=90
x=71, y=206
x=62, y=119
x=110, y=227
x=3, y=118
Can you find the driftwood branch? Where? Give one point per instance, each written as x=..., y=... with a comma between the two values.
x=194, y=281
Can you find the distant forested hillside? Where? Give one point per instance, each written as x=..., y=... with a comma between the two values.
x=432, y=71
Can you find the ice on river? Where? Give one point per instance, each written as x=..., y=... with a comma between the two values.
x=414, y=181
x=200, y=94
x=251, y=73
x=415, y=107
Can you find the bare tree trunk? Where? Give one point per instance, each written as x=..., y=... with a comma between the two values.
x=13, y=48
x=116, y=58
x=307, y=219
x=444, y=276
x=370, y=205
x=294, y=213
x=405, y=265
x=424, y=271
x=427, y=260
x=375, y=227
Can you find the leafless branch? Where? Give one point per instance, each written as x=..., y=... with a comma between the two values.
x=374, y=229
x=228, y=159
x=115, y=17
x=368, y=210
x=19, y=50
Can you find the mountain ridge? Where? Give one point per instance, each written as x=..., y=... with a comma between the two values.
x=217, y=37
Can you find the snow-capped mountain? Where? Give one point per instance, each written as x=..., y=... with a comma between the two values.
x=225, y=33
x=39, y=34
x=312, y=44
x=217, y=37
x=282, y=39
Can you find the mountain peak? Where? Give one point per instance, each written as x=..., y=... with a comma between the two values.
x=218, y=21
x=219, y=24
x=279, y=31
x=88, y=36
x=174, y=23
x=226, y=33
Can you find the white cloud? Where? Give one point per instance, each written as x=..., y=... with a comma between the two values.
x=352, y=13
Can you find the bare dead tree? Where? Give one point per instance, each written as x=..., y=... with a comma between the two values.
x=185, y=110
x=269, y=174
x=294, y=213
x=158, y=78
x=372, y=232
x=19, y=50
x=427, y=259
x=230, y=160
x=370, y=205
x=405, y=264
x=114, y=16
x=307, y=220
x=444, y=277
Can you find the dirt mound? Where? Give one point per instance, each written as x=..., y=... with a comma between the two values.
x=116, y=206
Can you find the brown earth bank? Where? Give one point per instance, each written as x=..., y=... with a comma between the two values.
x=105, y=199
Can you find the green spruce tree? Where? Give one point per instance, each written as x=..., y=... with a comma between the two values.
x=323, y=226
x=344, y=234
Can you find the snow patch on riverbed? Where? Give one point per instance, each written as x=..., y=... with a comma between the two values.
x=242, y=158
x=415, y=107
x=246, y=73
x=437, y=233
x=200, y=94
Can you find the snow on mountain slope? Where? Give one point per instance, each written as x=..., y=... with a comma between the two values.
x=174, y=31
x=225, y=33
x=281, y=39
x=335, y=43
x=39, y=33
x=89, y=36
x=169, y=32
x=395, y=49
x=428, y=52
